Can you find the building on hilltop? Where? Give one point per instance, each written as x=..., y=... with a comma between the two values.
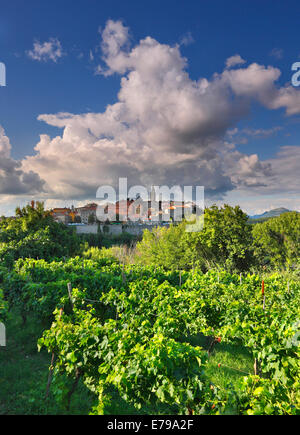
x=122, y=209
x=64, y=215
x=149, y=210
x=127, y=211
x=87, y=213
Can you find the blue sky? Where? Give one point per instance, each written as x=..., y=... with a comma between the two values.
x=207, y=33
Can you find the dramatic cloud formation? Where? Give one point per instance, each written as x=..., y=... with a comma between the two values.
x=165, y=127
x=43, y=52
x=12, y=179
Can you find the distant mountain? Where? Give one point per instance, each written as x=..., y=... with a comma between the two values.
x=269, y=214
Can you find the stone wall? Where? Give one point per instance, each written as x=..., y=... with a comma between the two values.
x=115, y=229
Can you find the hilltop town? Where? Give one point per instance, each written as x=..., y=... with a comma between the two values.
x=130, y=210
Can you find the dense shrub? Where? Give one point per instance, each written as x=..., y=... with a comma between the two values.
x=277, y=241
x=34, y=234
x=225, y=242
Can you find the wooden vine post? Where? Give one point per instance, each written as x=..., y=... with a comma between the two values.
x=256, y=368
x=70, y=294
x=72, y=390
x=78, y=373
x=123, y=274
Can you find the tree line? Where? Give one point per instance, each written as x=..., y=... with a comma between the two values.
x=227, y=240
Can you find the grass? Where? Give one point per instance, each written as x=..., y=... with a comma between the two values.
x=235, y=361
x=24, y=374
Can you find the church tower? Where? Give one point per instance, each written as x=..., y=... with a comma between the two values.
x=153, y=195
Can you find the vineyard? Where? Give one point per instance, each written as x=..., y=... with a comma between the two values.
x=147, y=335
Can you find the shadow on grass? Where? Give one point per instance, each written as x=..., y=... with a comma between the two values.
x=227, y=363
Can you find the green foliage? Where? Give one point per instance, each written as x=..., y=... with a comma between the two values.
x=259, y=396
x=224, y=242
x=135, y=343
x=100, y=254
x=3, y=307
x=116, y=254
x=105, y=240
x=37, y=286
x=277, y=241
x=24, y=373
x=125, y=328
x=34, y=234
x=166, y=247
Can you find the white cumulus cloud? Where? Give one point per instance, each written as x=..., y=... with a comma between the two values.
x=13, y=180
x=165, y=128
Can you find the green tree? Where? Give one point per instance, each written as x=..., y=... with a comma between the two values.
x=34, y=234
x=225, y=242
x=277, y=241
x=226, y=239
x=164, y=246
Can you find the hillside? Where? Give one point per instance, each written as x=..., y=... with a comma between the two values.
x=271, y=213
